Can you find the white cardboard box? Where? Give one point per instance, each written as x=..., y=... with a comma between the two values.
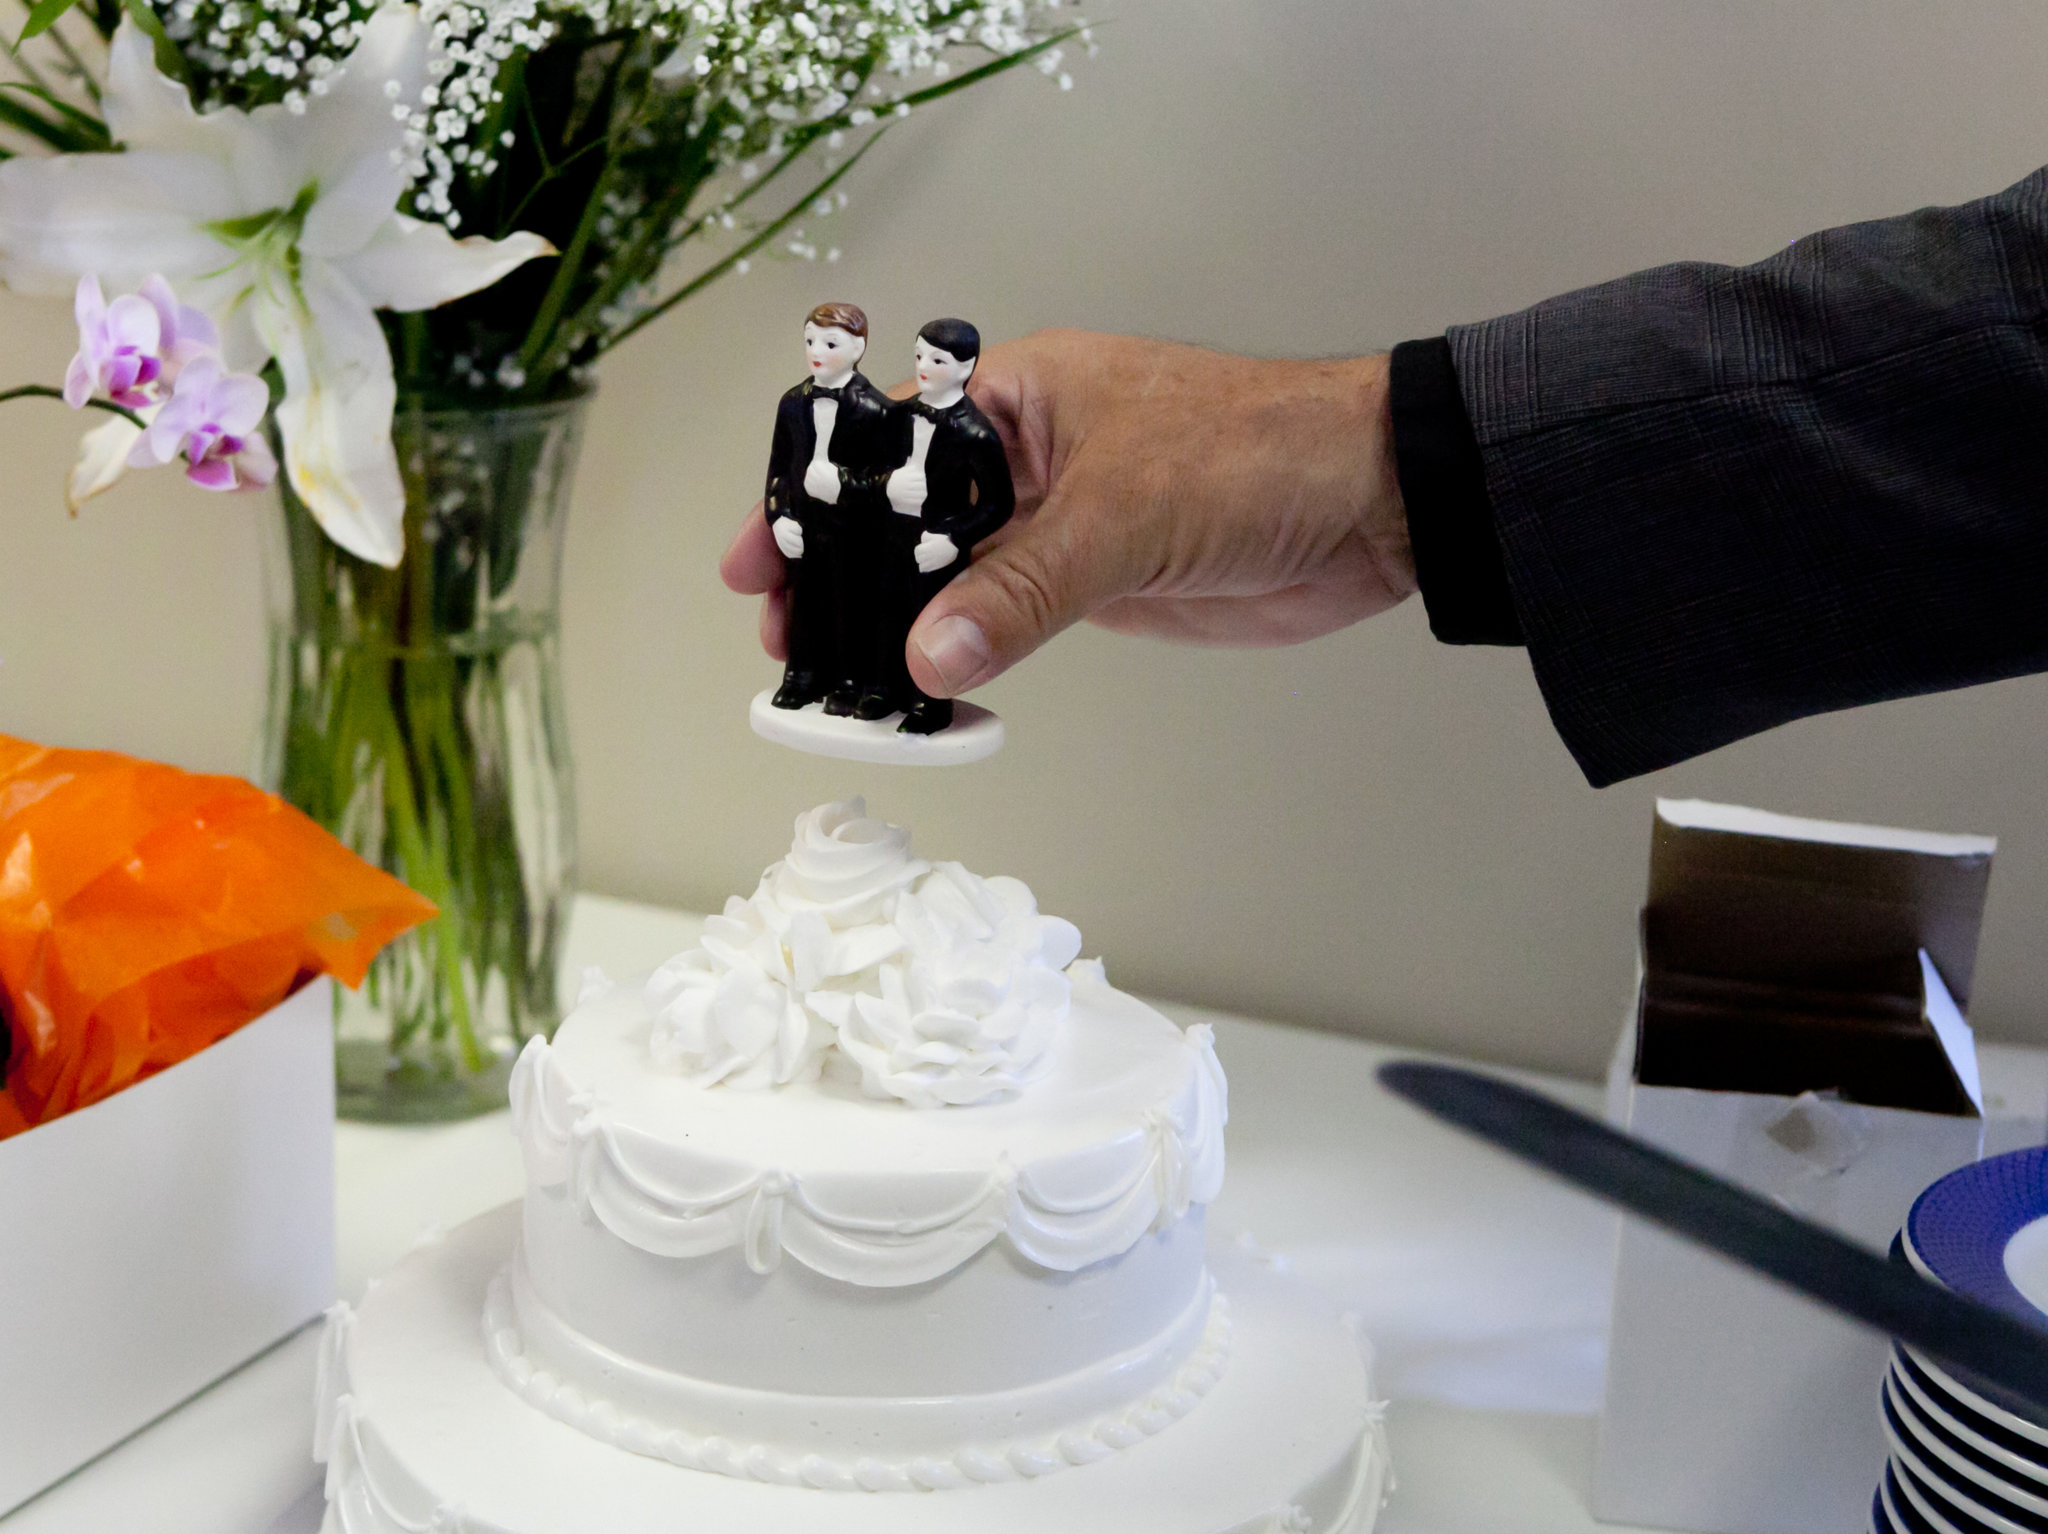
x=1733, y=1406
x=154, y=1241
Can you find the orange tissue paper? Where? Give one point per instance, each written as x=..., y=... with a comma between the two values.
x=146, y=912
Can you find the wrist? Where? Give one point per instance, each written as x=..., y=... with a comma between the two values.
x=1381, y=514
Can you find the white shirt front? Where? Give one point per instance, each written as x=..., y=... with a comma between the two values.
x=906, y=485
x=824, y=416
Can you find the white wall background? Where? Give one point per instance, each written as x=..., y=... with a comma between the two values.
x=1371, y=832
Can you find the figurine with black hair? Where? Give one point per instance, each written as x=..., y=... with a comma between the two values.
x=950, y=488
x=875, y=507
x=831, y=437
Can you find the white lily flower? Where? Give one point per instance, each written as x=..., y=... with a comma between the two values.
x=285, y=227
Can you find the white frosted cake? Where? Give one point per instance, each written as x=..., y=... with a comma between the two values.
x=875, y=1210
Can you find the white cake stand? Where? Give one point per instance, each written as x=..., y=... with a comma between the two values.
x=973, y=734
x=420, y=1435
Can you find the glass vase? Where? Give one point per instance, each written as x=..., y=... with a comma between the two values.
x=417, y=714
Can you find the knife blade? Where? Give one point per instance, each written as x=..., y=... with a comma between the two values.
x=1988, y=1347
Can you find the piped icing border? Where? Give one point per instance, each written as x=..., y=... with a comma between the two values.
x=880, y=1231
x=368, y=1492
x=972, y=1464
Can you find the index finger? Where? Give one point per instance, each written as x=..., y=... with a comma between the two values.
x=752, y=564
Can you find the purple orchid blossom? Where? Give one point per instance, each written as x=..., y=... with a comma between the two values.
x=117, y=348
x=211, y=419
x=184, y=333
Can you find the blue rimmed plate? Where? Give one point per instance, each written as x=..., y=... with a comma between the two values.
x=1904, y=1513
x=1931, y=1507
x=2002, y=1439
x=1983, y=1231
x=1880, y=1521
x=1959, y=1461
x=1966, y=1502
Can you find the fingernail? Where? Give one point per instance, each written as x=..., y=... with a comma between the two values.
x=957, y=649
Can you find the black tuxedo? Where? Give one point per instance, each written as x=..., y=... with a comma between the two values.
x=968, y=495
x=832, y=615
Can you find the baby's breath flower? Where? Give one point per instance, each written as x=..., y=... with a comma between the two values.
x=734, y=90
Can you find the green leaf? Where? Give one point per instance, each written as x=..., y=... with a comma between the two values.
x=42, y=16
x=58, y=135
x=91, y=132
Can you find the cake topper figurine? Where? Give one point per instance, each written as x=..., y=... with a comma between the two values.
x=875, y=507
x=822, y=515
x=948, y=489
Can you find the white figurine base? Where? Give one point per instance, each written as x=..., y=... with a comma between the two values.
x=973, y=734
x=420, y=1433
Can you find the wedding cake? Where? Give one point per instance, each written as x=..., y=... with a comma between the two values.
x=879, y=1209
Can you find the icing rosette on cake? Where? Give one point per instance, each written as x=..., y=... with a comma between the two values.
x=937, y=986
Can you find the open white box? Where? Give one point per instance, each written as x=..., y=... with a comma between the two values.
x=154, y=1241
x=1798, y=1029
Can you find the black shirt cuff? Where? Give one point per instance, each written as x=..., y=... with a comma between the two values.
x=1458, y=561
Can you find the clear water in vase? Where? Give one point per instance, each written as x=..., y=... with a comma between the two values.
x=417, y=714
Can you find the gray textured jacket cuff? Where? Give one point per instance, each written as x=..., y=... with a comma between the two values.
x=1728, y=497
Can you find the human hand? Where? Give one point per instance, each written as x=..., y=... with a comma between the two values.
x=935, y=551
x=789, y=535
x=821, y=482
x=907, y=490
x=1162, y=490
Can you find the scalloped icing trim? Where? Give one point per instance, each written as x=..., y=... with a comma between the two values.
x=360, y=1499
x=1373, y=1484
x=566, y=1140
x=972, y=1464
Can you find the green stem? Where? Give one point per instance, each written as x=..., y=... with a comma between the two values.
x=77, y=67
x=549, y=173
x=44, y=391
x=809, y=136
x=27, y=65
x=427, y=683
x=402, y=735
x=626, y=268
x=712, y=273
x=540, y=335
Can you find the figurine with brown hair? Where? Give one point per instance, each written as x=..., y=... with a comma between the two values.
x=821, y=507
x=874, y=507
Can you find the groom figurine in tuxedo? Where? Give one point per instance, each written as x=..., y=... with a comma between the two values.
x=950, y=488
x=830, y=433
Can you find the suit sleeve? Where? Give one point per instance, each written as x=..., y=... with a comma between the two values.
x=775, y=501
x=995, y=494
x=1731, y=497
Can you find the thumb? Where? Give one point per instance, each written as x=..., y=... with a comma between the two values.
x=1002, y=607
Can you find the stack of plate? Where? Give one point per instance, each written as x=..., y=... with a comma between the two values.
x=1967, y=1457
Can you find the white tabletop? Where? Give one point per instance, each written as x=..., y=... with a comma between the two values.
x=1484, y=1287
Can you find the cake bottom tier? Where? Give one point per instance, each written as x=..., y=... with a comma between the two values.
x=420, y=1433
